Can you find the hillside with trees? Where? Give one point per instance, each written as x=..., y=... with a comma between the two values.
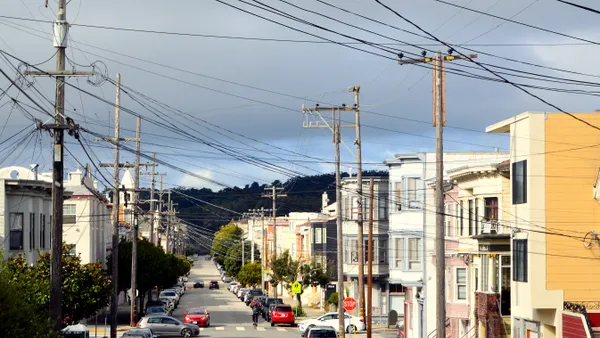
x=304, y=195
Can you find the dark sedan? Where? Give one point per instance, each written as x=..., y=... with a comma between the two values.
x=198, y=285
x=213, y=284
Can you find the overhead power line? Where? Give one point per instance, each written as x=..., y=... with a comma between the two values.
x=589, y=9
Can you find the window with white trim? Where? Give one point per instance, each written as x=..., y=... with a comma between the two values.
x=461, y=283
x=399, y=252
x=414, y=254
x=16, y=231
x=69, y=214
x=382, y=203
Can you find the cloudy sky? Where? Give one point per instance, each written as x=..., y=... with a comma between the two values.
x=209, y=96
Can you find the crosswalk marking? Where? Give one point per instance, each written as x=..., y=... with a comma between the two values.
x=201, y=329
x=219, y=328
x=239, y=328
x=260, y=328
x=281, y=329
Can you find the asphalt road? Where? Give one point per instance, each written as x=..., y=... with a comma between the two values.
x=229, y=317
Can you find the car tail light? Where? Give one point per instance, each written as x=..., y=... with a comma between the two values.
x=139, y=324
x=187, y=318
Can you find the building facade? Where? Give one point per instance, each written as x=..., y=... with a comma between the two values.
x=554, y=164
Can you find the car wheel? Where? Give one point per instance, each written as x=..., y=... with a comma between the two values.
x=351, y=329
x=272, y=324
x=186, y=333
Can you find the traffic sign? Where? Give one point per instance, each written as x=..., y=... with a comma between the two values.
x=296, y=288
x=349, y=304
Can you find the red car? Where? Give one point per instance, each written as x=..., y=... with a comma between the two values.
x=197, y=316
x=282, y=314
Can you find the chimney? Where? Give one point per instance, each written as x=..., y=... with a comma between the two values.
x=324, y=200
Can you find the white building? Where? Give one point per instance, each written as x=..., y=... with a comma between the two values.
x=86, y=218
x=412, y=234
x=26, y=205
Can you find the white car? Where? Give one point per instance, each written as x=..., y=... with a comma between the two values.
x=239, y=292
x=352, y=323
x=170, y=294
x=232, y=285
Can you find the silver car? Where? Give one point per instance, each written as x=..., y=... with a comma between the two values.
x=171, y=295
x=168, y=326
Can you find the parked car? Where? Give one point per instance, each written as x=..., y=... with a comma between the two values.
x=352, y=323
x=213, y=284
x=168, y=303
x=267, y=302
x=183, y=279
x=269, y=312
x=168, y=326
x=171, y=295
x=139, y=332
x=320, y=332
x=198, y=284
x=282, y=314
x=400, y=329
x=227, y=279
x=197, y=316
x=231, y=285
x=251, y=293
x=239, y=292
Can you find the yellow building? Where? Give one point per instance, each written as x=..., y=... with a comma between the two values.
x=554, y=159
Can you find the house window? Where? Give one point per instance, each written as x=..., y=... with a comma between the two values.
x=457, y=218
x=519, y=255
x=448, y=220
x=382, y=208
x=383, y=247
x=354, y=251
x=476, y=216
x=491, y=208
x=461, y=283
x=318, y=235
x=42, y=231
x=16, y=231
x=411, y=193
x=414, y=254
x=485, y=271
x=354, y=214
x=399, y=195
x=69, y=214
x=399, y=252
x=366, y=250
x=31, y=231
x=366, y=205
x=519, y=182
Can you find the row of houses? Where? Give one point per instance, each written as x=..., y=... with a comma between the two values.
x=521, y=253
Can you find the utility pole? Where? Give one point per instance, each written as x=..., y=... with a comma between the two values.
x=253, y=211
x=134, y=237
x=337, y=136
x=60, y=38
x=152, y=187
x=370, y=261
x=160, y=209
x=169, y=232
x=359, y=221
x=115, y=235
x=439, y=120
x=275, y=193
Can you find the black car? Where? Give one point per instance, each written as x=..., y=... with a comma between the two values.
x=213, y=284
x=198, y=285
x=266, y=303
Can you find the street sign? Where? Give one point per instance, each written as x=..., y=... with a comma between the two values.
x=349, y=304
x=296, y=288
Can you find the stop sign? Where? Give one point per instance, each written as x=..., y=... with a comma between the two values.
x=349, y=304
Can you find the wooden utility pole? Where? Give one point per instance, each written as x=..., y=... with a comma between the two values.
x=370, y=261
x=115, y=236
x=152, y=207
x=359, y=220
x=275, y=193
x=60, y=38
x=253, y=213
x=439, y=120
x=134, y=237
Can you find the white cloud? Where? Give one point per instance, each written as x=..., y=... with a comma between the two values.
x=195, y=182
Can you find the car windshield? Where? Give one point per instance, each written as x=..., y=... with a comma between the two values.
x=285, y=308
x=155, y=309
x=168, y=294
x=197, y=312
x=322, y=334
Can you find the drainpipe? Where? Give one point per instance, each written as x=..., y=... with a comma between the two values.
x=424, y=291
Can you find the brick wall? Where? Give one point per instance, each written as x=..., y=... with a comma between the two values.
x=487, y=312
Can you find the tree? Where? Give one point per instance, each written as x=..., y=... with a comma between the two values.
x=86, y=288
x=227, y=236
x=233, y=259
x=250, y=274
x=285, y=270
x=313, y=274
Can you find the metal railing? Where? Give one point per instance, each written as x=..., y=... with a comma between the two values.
x=433, y=334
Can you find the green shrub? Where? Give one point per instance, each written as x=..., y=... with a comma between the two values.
x=298, y=311
x=333, y=299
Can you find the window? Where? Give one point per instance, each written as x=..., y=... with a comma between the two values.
x=519, y=182
x=399, y=252
x=155, y=320
x=354, y=214
x=31, y=231
x=366, y=250
x=399, y=195
x=476, y=216
x=16, y=231
x=461, y=283
x=346, y=208
x=491, y=208
x=354, y=251
x=519, y=255
x=382, y=202
x=414, y=254
x=69, y=214
x=382, y=245
x=318, y=235
x=411, y=193
x=42, y=231
x=448, y=220
x=470, y=217
x=366, y=204
x=72, y=249
x=457, y=212
x=485, y=271
x=462, y=219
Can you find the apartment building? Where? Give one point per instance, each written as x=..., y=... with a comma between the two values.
x=412, y=234
x=554, y=166
x=350, y=212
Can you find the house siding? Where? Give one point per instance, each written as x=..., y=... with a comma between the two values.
x=573, y=326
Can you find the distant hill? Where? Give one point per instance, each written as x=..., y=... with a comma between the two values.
x=304, y=194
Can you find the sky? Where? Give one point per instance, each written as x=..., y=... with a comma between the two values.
x=206, y=102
